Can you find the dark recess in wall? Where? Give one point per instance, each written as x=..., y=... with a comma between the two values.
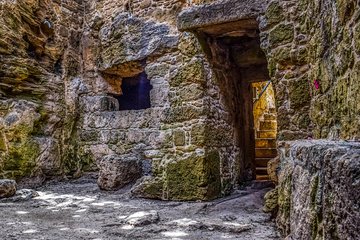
x=136, y=93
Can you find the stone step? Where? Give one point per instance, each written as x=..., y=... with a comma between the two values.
x=265, y=152
x=269, y=116
x=262, y=162
x=265, y=143
x=262, y=177
x=266, y=134
x=268, y=125
x=261, y=171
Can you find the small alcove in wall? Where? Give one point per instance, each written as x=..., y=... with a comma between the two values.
x=135, y=93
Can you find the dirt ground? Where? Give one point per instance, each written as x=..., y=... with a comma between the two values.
x=79, y=210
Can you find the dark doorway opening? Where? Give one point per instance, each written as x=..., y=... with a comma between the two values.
x=135, y=93
x=238, y=61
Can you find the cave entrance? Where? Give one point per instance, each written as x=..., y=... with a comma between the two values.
x=234, y=52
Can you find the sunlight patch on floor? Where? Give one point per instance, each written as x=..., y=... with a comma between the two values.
x=176, y=233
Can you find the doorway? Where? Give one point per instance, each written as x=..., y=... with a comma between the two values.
x=265, y=127
x=240, y=66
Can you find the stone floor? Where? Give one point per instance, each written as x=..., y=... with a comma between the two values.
x=79, y=210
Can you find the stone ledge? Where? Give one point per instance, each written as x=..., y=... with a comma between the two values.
x=219, y=12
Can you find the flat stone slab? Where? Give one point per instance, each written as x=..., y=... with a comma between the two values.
x=219, y=12
x=7, y=188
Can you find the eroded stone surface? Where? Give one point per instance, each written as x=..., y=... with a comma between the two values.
x=7, y=188
x=172, y=134
x=39, y=48
x=118, y=171
x=318, y=191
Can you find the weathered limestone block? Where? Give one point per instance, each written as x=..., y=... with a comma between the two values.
x=116, y=172
x=49, y=160
x=130, y=40
x=218, y=12
x=149, y=187
x=179, y=138
x=99, y=103
x=190, y=72
x=184, y=113
x=195, y=176
x=318, y=191
x=7, y=188
x=21, y=149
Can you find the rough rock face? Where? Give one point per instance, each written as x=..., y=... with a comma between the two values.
x=116, y=172
x=313, y=53
x=39, y=57
x=318, y=191
x=188, y=123
x=314, y=63
x=7, y=188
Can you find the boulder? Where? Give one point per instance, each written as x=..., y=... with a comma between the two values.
x=7, y=188
x=118, y=171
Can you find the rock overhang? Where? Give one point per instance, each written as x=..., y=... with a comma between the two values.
x=222, y=17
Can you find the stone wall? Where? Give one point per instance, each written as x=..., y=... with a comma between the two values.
x=62, y=67
x=39, y=54
x=313, y=55
x=312, y=49
x=185, y=140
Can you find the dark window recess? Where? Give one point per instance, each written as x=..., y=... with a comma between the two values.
x=136, y=93
x=57, y=67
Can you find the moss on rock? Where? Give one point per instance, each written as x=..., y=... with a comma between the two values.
x=274, y=14
x=194, y=177
x=20, y=160
x=281, y=34
x=299, y=93
x=271, y=202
